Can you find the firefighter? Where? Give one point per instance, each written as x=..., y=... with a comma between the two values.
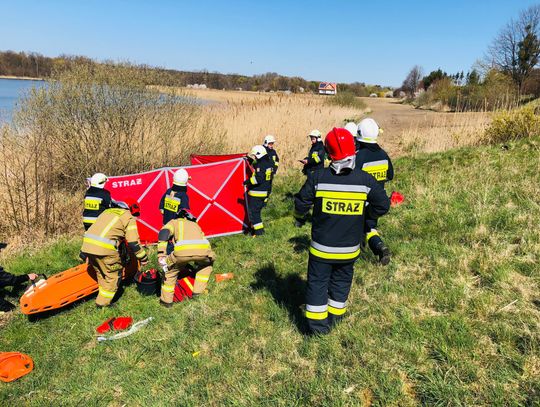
x=96, y=199
x=190, y=245
x=372, y=159
x=113, y=229
x=316, y=155
x=176, y=197
x=268, y=144
x=259, y=186
x=10, y=280
x=339, y=196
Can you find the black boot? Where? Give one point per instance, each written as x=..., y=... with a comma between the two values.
x=384, y=253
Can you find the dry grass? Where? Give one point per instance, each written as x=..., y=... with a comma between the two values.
x=247, y=117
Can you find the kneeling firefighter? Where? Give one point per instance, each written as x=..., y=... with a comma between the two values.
x=102, y=242
x=190, y=245
x=371, y=158
x=259, y=186
x=339, y=196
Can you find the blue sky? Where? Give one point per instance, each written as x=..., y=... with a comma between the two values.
x=375, y=42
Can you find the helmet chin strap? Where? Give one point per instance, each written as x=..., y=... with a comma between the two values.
x=346, y=163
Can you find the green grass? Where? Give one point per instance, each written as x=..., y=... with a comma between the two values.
x=454, y=320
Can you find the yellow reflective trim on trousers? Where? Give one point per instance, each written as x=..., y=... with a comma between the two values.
x=98, y=243
x=168, y=288
x=132, y=227
x=191, y=247
x=258, y=194
x=141, y=254
x=105, y=293
x=109, y=226
x=371, y=234
x=361, y=196
x=336, y=311
x=188, y=283
x=258, y=226
x=202, y=278
x=334, y=256
x=317, y=315
x=316, y=157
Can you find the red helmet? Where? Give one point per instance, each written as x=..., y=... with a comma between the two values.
x=340, y=144
x=134, y=206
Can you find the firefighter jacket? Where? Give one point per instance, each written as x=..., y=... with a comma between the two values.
x=274, y=159
x=260, y=183
x=111, y=228
x=10, y=280
x=372, y=159
x=96, y=200
x=187, y=237
x=315, y=158
x=340, y=203
x=174, y=199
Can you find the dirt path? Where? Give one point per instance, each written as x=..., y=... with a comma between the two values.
x=404, y=125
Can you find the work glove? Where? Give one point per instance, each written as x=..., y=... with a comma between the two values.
x=162, y=261
x=299, y=223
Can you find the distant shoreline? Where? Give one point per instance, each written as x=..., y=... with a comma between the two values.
x=21, y=78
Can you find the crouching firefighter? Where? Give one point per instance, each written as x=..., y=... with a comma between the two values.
x=339, y=196
x=104, y=241
x=190, y=245
x=259, y=187
x=371, y=158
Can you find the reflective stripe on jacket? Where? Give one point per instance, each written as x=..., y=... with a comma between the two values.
x=339, y=207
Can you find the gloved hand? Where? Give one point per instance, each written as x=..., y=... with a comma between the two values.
x=299, y=223
x=162, y=261
x=246, y=182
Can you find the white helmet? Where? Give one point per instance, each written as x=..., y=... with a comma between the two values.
x=315, y=133
x=98, y=180
x=368, y=131
x=352, y=127
x=181, y=177
x=257, y=152
x=269, y=139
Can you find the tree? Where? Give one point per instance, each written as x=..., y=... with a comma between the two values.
x=516, y=49
x=433, y=77
x=473, y=78
x=412, y=81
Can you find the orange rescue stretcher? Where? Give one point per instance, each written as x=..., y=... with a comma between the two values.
x=66, y=287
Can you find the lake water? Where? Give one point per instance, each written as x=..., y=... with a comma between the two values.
x=11, y=90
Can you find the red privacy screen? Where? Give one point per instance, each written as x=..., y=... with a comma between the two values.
x=216, y=196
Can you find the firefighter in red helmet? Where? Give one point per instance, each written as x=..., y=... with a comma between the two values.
x=114, y=228
x=340, y=197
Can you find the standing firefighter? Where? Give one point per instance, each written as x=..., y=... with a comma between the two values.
x=315, y=158
x=259, y=186
x=339, y=196
x=372, y=159
x=176, y=197
x=190, y=245
x=101, y=243
x=96, y=199
x=269, y=142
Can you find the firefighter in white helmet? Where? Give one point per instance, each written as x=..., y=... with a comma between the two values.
x=176, y=197
x=316, y=154
x=259, y=186
x=268, y=144
x=96, y=199
x=371, y=158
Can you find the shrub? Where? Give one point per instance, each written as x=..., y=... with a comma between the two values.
x=347, y=99
x=508, y=125
x=91, y=118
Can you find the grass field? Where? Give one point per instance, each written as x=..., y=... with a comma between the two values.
x=454, y=319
